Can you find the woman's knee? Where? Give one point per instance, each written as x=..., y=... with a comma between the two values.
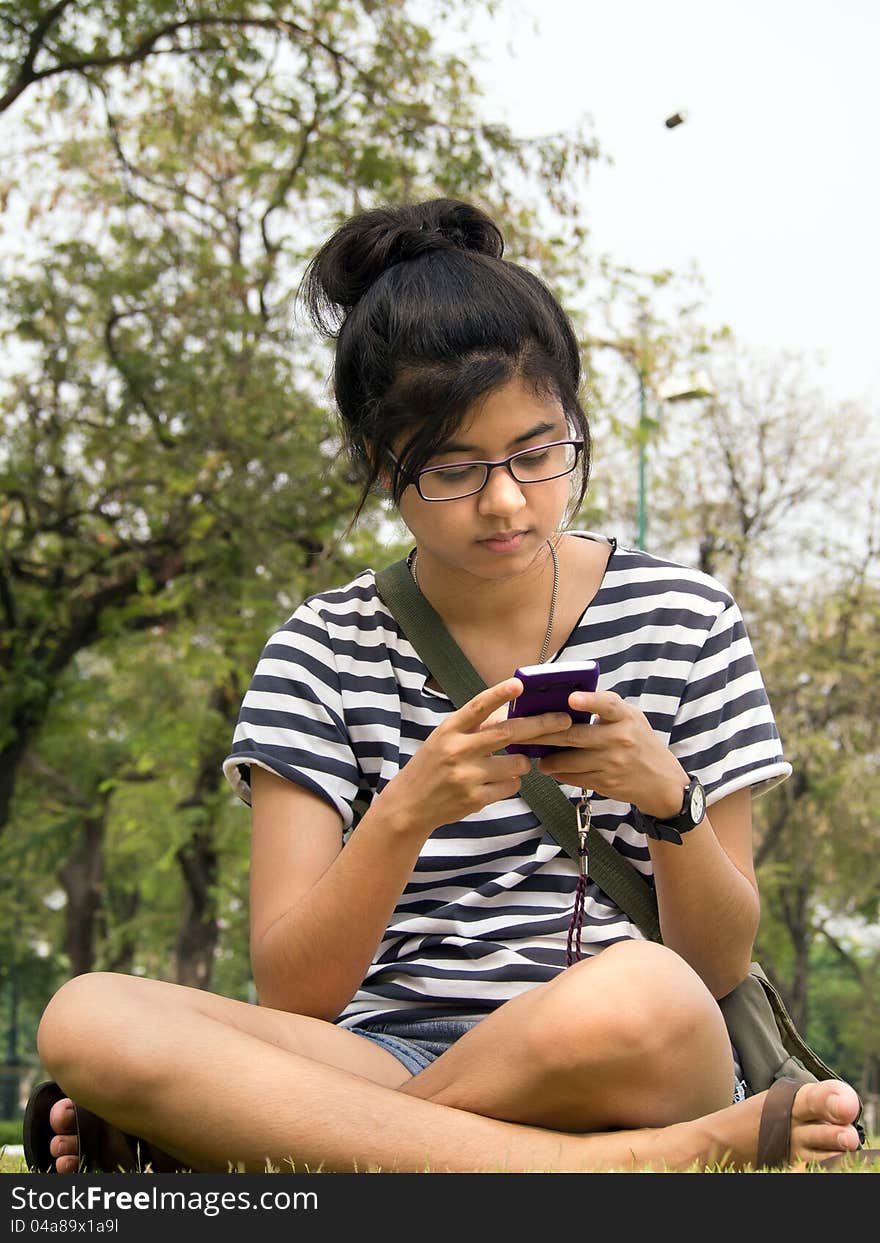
x=88, y=1023
x=636, y=1000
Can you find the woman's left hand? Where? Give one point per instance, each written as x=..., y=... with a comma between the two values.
x=618, y=755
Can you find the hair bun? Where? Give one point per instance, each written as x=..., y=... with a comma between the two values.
x=451, y=224
x=372, y=242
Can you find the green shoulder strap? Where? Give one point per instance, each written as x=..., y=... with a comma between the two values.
x=425, y=630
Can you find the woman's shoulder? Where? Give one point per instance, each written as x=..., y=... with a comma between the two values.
x=348, y=609
x=356, y=597
x=636, y=570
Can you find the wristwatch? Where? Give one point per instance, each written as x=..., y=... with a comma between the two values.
x=693, y=809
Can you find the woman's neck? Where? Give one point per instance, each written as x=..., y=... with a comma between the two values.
x=468, y=602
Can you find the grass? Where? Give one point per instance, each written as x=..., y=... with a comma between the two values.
x=15, y=1165
x=10, y=1133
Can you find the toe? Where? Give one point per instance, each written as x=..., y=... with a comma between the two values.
x=843, y=1105
x=64, y=1146
x=62, y=1117
x=829, y=1101
x=822, y=1120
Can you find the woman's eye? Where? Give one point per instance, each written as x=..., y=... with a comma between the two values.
x=453, y=474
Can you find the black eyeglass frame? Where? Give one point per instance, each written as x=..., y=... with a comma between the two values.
x=415, y=478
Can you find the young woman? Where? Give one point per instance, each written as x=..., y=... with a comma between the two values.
x=409, y=914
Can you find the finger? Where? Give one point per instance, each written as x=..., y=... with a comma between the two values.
x=580, y=737
x=472, y=715
x=571, y=761
x=504, y=776
x=506, y=767
x=605, y=704
x=524, y=728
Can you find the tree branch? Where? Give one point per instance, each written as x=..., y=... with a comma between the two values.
x=8, y=601
x=165, y=440
x=132, y=172
x=26, y=75
x=846, y=958
x=146, y=47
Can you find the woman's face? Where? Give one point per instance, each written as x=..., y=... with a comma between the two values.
x=497, y=532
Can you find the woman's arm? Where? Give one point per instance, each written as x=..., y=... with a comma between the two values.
x=707, y=894
x=318, y=912
x=706, y=890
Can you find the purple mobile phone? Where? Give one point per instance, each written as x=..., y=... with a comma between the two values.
x=546, y=689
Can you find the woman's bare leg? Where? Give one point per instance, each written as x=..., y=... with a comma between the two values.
x=598, y=1048
x=629, y=1038
x=119, y=995
x=213, y=1094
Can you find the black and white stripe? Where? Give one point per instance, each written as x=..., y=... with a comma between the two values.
x=338, y=704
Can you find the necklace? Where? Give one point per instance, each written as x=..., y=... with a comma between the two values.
x=546, y=645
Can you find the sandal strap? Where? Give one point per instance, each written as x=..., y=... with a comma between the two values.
x=36, y=1131
x=92, y=1134
x=774, y=1133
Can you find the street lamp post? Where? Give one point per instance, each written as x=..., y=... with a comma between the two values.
x=696, y=385
x=643, y=463
x=695, y=389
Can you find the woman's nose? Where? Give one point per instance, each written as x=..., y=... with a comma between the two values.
x=501, y=494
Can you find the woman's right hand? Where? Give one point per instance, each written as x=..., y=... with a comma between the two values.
x=455, y=771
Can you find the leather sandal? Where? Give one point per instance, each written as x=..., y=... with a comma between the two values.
x=774, y=1134
x=102, y=1148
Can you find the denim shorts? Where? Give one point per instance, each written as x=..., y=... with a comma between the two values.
x=418, y=1042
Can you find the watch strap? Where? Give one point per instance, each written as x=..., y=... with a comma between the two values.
x=671, y=829
x=659, y=830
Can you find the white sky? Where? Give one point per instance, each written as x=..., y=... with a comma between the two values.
x=771, y=184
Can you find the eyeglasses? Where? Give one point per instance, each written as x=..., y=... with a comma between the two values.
x=460, y=479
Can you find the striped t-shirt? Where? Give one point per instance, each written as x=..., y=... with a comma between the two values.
x=338, y=704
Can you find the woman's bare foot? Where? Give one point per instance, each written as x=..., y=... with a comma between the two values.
x=822, y=1121
x=822, y=1117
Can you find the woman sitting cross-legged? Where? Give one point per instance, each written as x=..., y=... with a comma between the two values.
x=410, y=915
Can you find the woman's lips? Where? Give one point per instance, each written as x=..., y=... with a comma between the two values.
x=508, y=543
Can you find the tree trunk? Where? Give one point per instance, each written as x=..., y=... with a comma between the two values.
x=124, y=906
x=197, y=938
x=23, y=729
x=81, y=876
x=198, y=857
x=56, y=649
x=796, y=918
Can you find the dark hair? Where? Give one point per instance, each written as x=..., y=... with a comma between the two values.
x=428, y=317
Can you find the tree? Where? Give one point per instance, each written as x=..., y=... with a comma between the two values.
x=162, y=434
x=759, y=467
x=170, y=476
x=53, y=43
x=818, y=837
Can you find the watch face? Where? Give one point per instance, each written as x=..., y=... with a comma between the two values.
x=698, y=804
